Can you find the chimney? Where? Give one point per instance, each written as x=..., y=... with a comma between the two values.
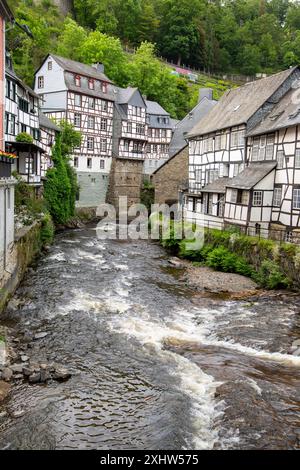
x=205, y=93
x=99, y=67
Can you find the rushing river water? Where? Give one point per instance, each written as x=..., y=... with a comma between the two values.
x=154, y=365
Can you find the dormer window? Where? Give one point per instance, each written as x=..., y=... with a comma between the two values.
x=77, y=80
x=40, y=82
x=104, y=87
x=91, y=84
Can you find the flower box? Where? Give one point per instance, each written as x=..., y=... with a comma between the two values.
x=7, y=157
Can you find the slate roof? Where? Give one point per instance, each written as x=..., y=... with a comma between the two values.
x=84, y=88
x=125, y=94
x=252, y=175
x=183, y=127
x=285, y=114
x=218, y=186
x=82, y=69
x=237, y=105
x=155, y=108
x=46, y=122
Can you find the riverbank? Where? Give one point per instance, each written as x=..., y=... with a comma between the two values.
x=270, y=264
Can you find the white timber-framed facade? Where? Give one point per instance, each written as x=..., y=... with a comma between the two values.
x=83, y=96
x=234, y=177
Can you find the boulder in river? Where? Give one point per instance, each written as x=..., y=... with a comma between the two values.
x=40, y=335
x=7, y=374
x=61, y=374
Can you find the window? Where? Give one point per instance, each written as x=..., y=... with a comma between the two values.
x=104, y=87
x=135, y=147
x=277, y=196
x=77, y=80
x=234, y=195
x=11, y=91
x=90, y=143
x=241, y=138
x=103, y=145
x=270, y=147
x=91, y=84
x=280, y=159
x=226, y=169
x=163, y=133
x=296, y=198
x=129, y=127
x=23, y=105
x=148, y=148
x=91, y=122
x=140, y=129
x=234, y=139
x=41, y=82
x=23, y=128
x=103, y=125
x=50, y=65
x=138, y=111
x=257, y=198
x=89, y=163
x=102, y=164
x=297, y=158
x=218, y=142
x=78, y=100
x=77, y=120
x=149, y=132
x=245, y=198
x=255, y=149
x=76, y=162
x=10, y=124
x=210, y=144
x=104, y=106
x=91, y=103
x=126, y=146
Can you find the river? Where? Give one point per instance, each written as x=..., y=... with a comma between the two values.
x=154, y=365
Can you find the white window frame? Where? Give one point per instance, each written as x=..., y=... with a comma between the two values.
x=103, y=125
x=103, y=145
x=257, y=199
x=280, y=159
x=102, y=164
x=89, y=162
x=296, y=198
x=277, y=196
x=91, y=122
x=90, y=143
x=41, y=82
x=78, y=100
x=77, y=120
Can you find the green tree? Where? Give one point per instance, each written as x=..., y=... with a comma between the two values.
x=99, y=47
x=71, y=39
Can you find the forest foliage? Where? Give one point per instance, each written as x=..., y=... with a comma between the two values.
x=217, y=36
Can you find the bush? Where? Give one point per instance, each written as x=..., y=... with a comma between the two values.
x=270, y=276
x=222, y=259
x=25, y=138
x=47, y=230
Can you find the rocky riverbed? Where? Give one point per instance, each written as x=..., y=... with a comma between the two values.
x=112, y=345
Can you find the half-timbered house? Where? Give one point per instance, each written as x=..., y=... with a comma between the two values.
x=22, y=117
x=129, y=146
x=6, y=181
x=270, y=186
x=83, y=96
x=160, y=131
x=218, y=150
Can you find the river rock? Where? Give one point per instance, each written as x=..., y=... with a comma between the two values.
x=61, y=374
x=27, y=338
x=18, y=414
x=27, y=371
x=24, y=358
x=17, y=368
x=296, y=344
x=40, y=335
x=176, y=262
x=35, y=378
x=7, y=374
x=4, y=390
x=45, y=375
x=297, y=352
